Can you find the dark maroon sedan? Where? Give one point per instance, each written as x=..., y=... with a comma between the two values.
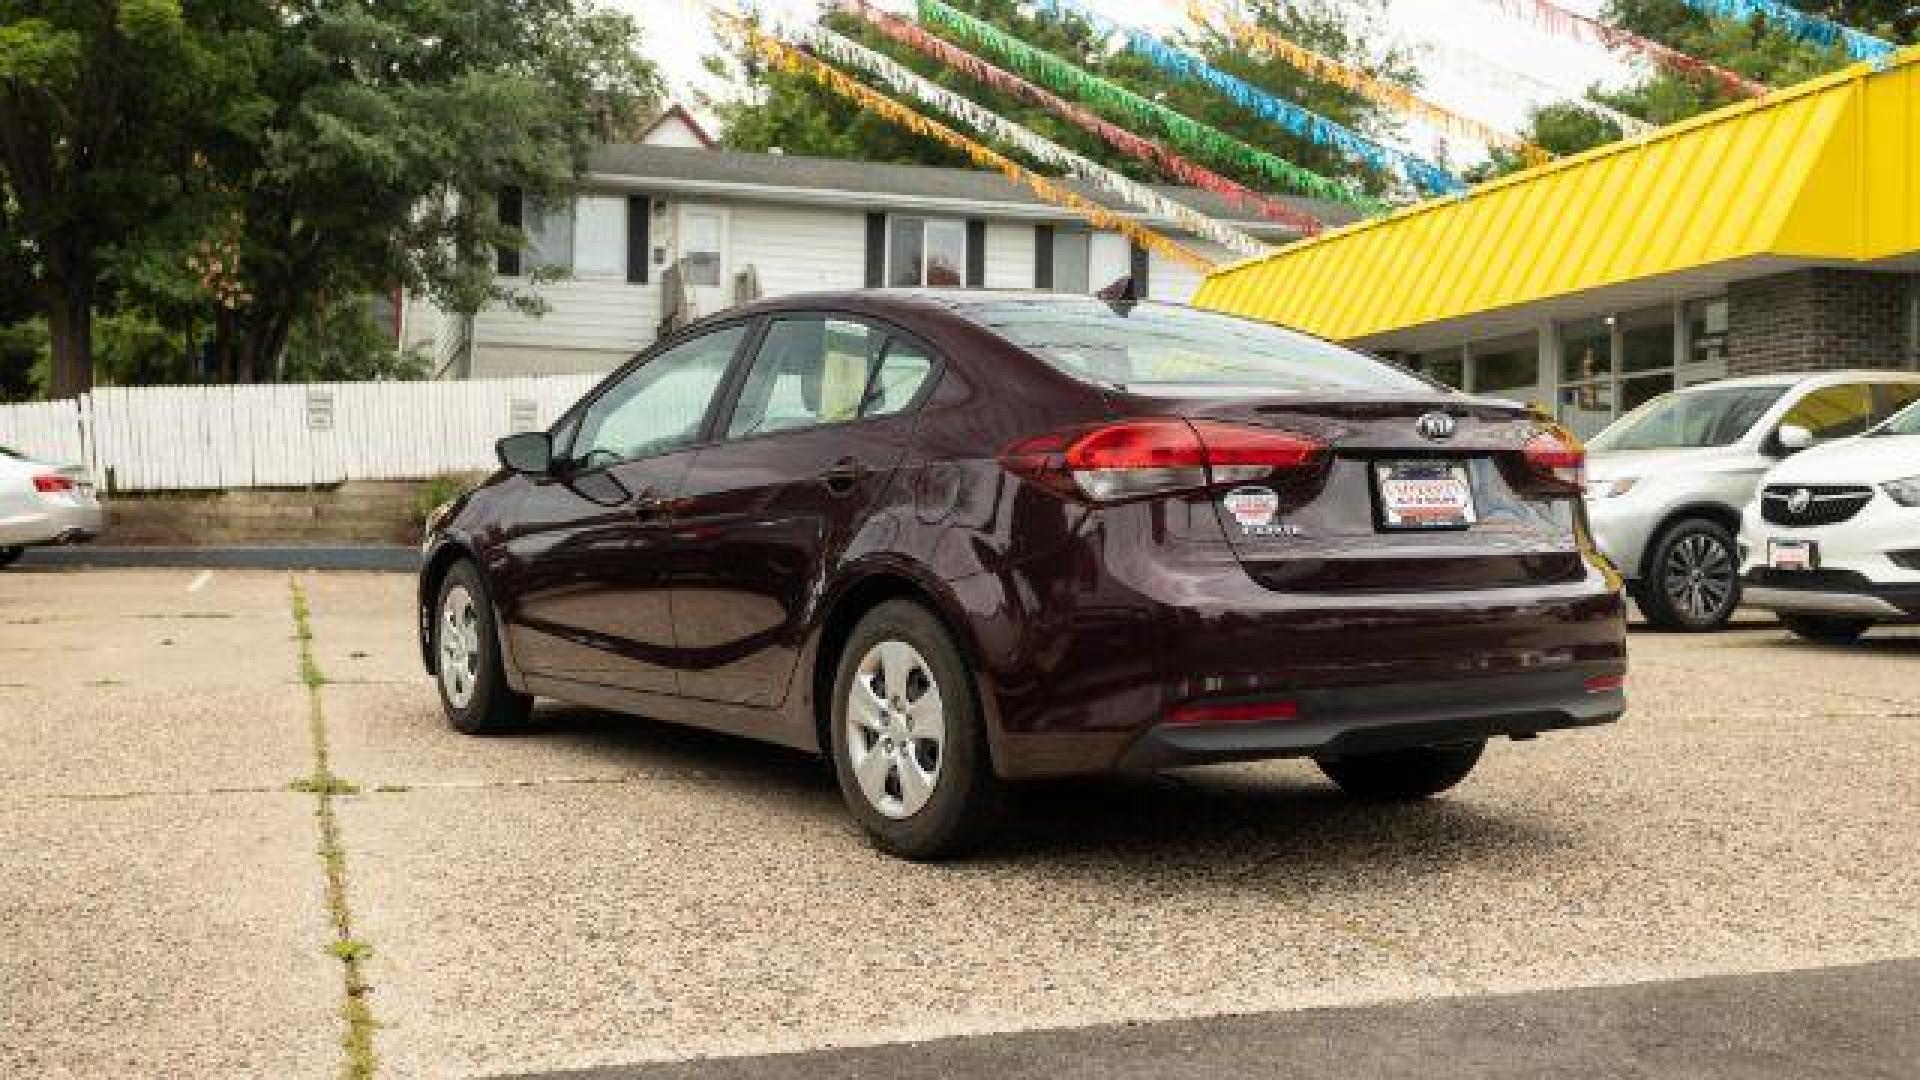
x=954, y=539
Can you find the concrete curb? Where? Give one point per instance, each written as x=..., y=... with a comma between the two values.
x=386, y=558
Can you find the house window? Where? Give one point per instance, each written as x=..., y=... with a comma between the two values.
x=600, y=237
x=700, y=246
x=1072, y=260
x=549, y=230
x=926, y=252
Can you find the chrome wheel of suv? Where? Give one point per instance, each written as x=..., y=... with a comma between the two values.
x=1694, y=578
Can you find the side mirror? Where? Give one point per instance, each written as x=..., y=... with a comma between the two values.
x=1793, y=438
x=530, y=453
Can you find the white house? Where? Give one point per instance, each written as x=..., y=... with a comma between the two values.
x=667, y=231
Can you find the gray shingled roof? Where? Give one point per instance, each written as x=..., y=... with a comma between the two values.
x=877, y=178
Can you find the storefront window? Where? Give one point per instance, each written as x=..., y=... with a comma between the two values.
x=1646, y=340
x=1442, y=365
x=1586, y=350
x=1508, y=368
x=1707, y=332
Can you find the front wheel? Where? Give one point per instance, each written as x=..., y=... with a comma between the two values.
x=1693, y=578
x=10, y=555
x=908, y=741
x=1825, y=629
x=1403, y=775
x=466, y=651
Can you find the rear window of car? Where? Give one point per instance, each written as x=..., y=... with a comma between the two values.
x=1160, y=344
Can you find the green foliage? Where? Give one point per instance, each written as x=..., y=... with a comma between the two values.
x=435, y=493
x=223, y=165
x=793, y=113
x=339, y=342
x=23, y=359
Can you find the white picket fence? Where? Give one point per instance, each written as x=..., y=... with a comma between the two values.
x=158, y=438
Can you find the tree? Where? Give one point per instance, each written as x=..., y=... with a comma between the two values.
x=793, y=113
x=229, y=168
x=1755, y=49
x=95, y=96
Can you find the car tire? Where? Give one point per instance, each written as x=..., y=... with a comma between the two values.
x=1826, y=629
x=1403, y=775
x=467, y=668
x=10, y=555
x=1692, y=581
x=910, y=752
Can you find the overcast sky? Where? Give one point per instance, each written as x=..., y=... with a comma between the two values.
x=676, y=36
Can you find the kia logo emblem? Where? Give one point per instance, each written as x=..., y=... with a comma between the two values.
x=1436, y=426
x=1798, y=502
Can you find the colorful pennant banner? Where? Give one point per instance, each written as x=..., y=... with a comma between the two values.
x=1390, y=95
x=1809, y=28
x=1552, y=17
x=846, y=54
x=1301, y=122
x=1143, y=150
x=1182, y=130
x=1461, y=64
x=791, y=59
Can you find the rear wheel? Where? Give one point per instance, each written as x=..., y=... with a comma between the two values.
x=1826, y=629
x=909, y=744
x=466, y=651
x=1693, y=579
x=11, y=555
x=1403, y=775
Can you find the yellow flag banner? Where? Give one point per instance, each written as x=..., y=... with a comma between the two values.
x=1391, y=95
x=792, y=59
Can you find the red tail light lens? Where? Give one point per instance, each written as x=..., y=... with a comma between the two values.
x=1605, y=684
x=1558, y=461
x=48, y=483
x=1138, y=458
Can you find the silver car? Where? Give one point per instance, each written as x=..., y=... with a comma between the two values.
x=1667, y=483
x=44, y=504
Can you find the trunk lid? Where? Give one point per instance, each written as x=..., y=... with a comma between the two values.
x=1334, y=531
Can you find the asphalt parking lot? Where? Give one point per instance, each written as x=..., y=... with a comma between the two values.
x=1728, y=883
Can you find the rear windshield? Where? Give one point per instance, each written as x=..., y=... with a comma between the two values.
x=1158, y=344
x=1717, y=416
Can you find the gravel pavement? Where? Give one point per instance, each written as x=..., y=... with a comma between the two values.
x=604, y=893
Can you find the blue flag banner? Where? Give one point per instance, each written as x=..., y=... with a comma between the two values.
x=1300, y=121
x=1809, y=28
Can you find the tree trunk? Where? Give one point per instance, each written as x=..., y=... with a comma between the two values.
x=70, y=333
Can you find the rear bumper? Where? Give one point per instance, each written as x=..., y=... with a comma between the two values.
x=52, y=524
x=1369, y=719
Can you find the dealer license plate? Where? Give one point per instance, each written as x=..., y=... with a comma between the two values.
x=1424, y=495
x=1795, y=555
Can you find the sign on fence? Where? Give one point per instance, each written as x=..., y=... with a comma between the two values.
x=155, y=438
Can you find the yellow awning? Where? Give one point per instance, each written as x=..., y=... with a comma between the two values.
x=1828, y=170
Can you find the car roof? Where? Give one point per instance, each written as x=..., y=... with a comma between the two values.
x=1813, y=379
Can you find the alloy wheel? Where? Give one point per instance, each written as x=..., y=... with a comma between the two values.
x=459, y=646
x=1700, y=578
x=896, y=729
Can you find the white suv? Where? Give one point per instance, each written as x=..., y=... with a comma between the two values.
x=1833, y=541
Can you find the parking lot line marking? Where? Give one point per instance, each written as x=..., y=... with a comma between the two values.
x=200, y=581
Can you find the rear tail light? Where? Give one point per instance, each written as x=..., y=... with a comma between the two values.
x=1606, y=684
x=49, y=483
x=1558, y=461
x=1139, y=458
x=1256, y=712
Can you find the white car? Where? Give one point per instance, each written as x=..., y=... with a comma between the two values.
x=1833, y=542
x=1667, y=482
x=44, y=504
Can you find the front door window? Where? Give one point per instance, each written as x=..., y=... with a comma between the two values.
x=660, y=406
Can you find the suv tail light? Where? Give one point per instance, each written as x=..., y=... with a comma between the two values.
x=48, y=483
x=1558, y=461
x=1134, y=459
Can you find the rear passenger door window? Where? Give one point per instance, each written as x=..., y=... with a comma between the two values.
x=809, y=371
x=1834, y=412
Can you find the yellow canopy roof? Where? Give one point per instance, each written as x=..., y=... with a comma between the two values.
x=1828, y=170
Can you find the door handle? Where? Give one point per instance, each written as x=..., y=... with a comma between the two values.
x=844, y=476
